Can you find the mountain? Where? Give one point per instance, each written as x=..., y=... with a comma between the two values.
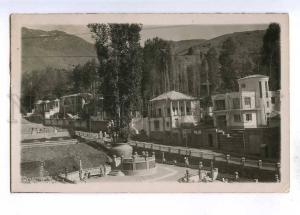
x=42, y=49
x=249, y=41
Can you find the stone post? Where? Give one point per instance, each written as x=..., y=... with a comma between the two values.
x=187, y=175
x=227, y=158
x=259, y=164
x=211, y=168
x=186, y=161
x=114, y=163
x=200, y=165
x=153, y=154
x=243, y=161
x=201, y=155
x=66, y=172
x=278, y=166
x=122, y=159
x=163, y=157
x=42, y=170
x=80, y=170
x=236, y=176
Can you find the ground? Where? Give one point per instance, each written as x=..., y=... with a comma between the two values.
x=64, y=153
x=56, y=153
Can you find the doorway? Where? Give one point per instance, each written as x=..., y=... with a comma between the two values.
x=210, y=140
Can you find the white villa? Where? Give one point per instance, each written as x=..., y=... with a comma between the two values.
x=250, y=107
x=170, y=111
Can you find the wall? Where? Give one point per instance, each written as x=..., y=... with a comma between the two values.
x=262, y=142
x=85, y=125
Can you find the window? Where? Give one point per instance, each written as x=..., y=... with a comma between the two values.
x=266, y=87
x=188, y=111
x=247, y=101
x=159, y=112
x=237, y=117
x=182, y=110
x=273, y=100
x=243, y=85
x=268, y=104
x=169, y=111
x=156, y=124
x=260, y=89
x=248, y=117
x=235, y=103
x=168, y=124
x=220, y=104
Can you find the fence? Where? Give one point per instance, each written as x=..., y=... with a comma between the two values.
x=192, y=158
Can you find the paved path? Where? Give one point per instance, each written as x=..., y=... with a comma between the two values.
x=172, y=172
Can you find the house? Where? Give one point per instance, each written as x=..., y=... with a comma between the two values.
x=250, y=107
x=169, y=113
x=74, y=104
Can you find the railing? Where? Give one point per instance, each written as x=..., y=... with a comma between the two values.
x=197, y=153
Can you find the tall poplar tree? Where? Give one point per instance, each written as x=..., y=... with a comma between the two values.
x=271, y=55
x=227, y=71
x=120, y=67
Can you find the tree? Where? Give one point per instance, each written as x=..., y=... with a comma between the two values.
x=46, y=84
x=227, y=71
x=120, y=67
x=271, y=55
x=156, y=57
x=213, y=67
x=84, y=77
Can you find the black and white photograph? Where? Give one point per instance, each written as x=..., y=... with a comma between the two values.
x=149, y=103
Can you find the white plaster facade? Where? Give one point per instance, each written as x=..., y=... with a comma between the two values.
x=171, y=110
x=248, y=108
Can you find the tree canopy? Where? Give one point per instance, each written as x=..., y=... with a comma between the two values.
x=120, y=68
x=271, y=55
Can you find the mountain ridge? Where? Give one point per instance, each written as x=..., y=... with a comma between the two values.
x=57, y=49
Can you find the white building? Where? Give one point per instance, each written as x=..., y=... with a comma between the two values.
x=170, y=111
x=248, y=108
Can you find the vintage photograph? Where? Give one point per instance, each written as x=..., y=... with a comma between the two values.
x=180, y=103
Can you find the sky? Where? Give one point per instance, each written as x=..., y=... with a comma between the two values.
x=172, y=32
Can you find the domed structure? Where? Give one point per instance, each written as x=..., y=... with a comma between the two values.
x=122, y=149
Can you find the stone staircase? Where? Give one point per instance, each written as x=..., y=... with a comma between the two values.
x=232, y=140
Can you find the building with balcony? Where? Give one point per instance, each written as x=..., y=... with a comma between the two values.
x=171, y=111
x=250, y=107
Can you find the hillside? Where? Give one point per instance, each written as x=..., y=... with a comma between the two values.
x=57, y=49
x=250, y=41
x=185, y=68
